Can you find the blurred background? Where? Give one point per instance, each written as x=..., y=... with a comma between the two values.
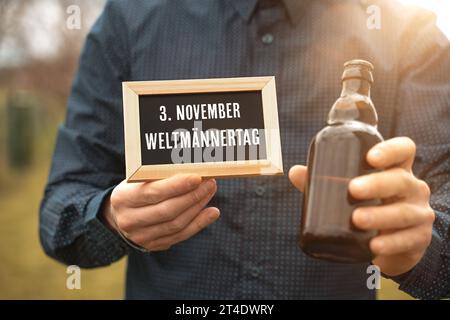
x=40, y=44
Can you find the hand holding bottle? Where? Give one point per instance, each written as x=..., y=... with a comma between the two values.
x=404, y=220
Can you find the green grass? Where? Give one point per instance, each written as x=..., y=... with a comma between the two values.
x=25, y=271
x=389, y=291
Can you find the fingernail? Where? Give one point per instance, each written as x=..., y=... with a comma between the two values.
x=362, y=217
x=359, y=185
x=210, y=184
x=376, y=154
x=379, y=245
x=213, y=217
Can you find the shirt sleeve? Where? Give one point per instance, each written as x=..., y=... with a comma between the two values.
x=424, y=115
x=88, y=158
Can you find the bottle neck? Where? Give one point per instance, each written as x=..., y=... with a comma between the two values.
x=354, y=103
x=355, y=86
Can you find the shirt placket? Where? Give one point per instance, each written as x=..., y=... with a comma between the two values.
x=258, y=220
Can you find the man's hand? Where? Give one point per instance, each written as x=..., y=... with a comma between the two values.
x=159, y=214
x=404, y=220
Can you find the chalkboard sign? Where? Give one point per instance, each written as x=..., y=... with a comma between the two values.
x=212, y=127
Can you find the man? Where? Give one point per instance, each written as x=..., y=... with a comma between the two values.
x=251, y=251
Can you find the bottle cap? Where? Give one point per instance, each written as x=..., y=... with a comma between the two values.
x=358, y=69
x=359, y=62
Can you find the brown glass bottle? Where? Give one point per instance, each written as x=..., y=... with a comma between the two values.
x=337, y=154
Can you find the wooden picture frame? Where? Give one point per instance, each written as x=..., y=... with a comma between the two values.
x=136, y=171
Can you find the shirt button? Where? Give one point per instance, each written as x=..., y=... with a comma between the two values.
x=255, y=272
x=267, y=38
x=260, y=190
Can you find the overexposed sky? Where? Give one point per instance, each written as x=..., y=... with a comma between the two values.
x=42, y=24
x=43, y=20
x=440, y=7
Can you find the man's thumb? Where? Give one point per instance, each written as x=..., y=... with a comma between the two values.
x=297, y=175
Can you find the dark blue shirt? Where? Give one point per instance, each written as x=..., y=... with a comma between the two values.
x=251, y=252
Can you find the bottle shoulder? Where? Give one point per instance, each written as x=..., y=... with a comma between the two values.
x=348, y=129
x=354, y=107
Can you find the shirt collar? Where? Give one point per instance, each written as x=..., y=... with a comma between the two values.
x=294, y=8
x=244, y=7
